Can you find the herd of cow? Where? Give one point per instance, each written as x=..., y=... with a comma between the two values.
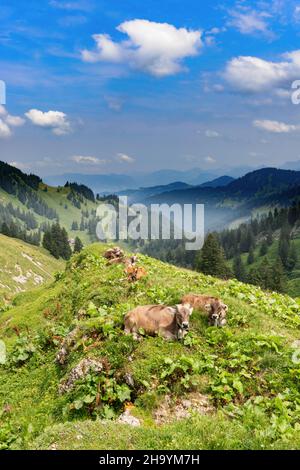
x=171, y=323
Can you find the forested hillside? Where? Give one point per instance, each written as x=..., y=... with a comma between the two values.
x=28, y=207
x=264, y=251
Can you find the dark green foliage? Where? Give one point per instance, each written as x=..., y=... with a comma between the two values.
x=239, y=268
x=57, y=243
x=24, y=187
x=292, y=257
x=263, y=249
x=269, y=276
x=284, y=245
x=78, y=246
x=75, y=199
x=210, y=259
x=81, y=189
x=278, y=278
x=19, y=224
x=251, y=257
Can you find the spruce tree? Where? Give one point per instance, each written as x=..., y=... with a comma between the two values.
x=251, y=257
x=278, y=278
x=284, y=245
x=56, y=241
x=239, y=269
x=292, y=257
x=78, y=245
x=211, y=259
x=263, y=249
x=269, y=237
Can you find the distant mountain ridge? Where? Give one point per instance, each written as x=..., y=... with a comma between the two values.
x=218, y=182
x=141, y=193
x=265, y=187
x=110, y=183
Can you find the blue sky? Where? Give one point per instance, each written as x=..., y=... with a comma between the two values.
x=98, y=86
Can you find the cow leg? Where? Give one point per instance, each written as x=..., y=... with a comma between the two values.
x=167, y=335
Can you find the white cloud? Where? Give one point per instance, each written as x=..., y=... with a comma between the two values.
x=82, y=159
x=54, y=120
x=216, y=31
x=210, y=159
x=297, y=13
x=20, y=165
x=5, y=131
x=275, y=126
x=252, y=74
x=249, y=22
x=212, y=134
x=15, y=121
x=155, y=48
x=123, y=158
x=83, y=5
x=210, y=41
x=7, y=121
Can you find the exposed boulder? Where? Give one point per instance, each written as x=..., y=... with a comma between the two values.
x=79, y=372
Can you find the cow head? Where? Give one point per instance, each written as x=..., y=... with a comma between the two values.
x=217, y=313
x=182, y=314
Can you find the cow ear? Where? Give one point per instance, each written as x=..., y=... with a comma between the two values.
x=225, y=307
x=188, y=306
x=173, y=310
x=207, y=307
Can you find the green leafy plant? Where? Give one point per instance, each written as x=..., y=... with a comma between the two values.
x=23, y=350
x=99, y=395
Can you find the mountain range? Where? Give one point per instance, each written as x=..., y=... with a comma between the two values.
x=241, y=198
x=226, y=200
x=114, y=182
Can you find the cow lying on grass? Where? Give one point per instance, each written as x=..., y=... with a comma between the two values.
x=214, y=308
x=169, y=322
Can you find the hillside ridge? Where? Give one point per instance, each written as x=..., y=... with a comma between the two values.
x=238, y=375
x=23, y=267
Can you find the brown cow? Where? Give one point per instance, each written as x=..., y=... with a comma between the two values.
x=168, y=322
x=212, y=306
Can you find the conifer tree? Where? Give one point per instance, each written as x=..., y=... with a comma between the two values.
x=251, y=257
x=263, y=249
x=239, y=268
x=78, y=245
x=278, y=278
x=284, y=245
x=211, y=259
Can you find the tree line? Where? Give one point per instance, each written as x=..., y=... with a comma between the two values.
x=222, y=252
x=56, y=241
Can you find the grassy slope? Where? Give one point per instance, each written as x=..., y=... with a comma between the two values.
x=23, y=267
x=245, y=369
x=58, y=200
